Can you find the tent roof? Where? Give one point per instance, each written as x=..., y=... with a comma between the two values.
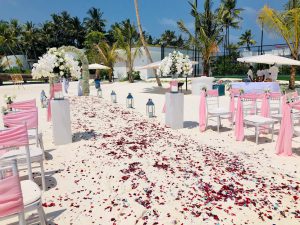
x=269, y=59
x=96, y=66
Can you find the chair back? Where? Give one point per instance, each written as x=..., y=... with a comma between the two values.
x=249, y=101
x=212, y=98
x=14, y=137
x=30, y=117
x=11, y=200
x=24, y=105
x=275, y=102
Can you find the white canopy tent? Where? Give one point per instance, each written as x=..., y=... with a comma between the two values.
x=155, y=65
x=96, y=66
x=269, y=59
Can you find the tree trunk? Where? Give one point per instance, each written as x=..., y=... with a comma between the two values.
x=205, y=67
x=292, y=78
x=144, y=42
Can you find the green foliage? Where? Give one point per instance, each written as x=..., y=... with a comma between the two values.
x=247, y=39
x=13, y=70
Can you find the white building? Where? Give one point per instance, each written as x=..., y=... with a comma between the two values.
x=120, y=70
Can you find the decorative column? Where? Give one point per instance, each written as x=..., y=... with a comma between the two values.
x=174, y=110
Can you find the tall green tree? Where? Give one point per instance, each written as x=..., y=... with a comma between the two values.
x=287, y=25
x=230, y=17
x=128, y=40
x=143, y=41
x=292, y=4
x=168, y=38
x=247, y=39
x=208, y=32
x=94, y=21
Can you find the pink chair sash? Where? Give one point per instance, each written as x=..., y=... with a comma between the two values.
x=239, y=121
x=212, y=93
x=233, y=92
x=284, y=141
x=14, y=137
x=30, y=117
x=54, y=88
x=202, y=112
x=24, y=105
x=11, y=200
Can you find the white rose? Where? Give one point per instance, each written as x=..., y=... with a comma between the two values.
x=62, y=67
x=61, y=73
x=61, y=59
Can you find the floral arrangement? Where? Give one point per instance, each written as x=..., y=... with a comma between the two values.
x=56, y=63
x=175, y=64
x=9, y=99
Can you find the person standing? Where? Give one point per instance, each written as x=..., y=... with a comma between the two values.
x=273, y=71
x=250, y=73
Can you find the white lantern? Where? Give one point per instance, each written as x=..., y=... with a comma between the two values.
x=113, y=96
x=150, y=108
x=129, y=101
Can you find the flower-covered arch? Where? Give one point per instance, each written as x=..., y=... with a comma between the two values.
x=85, y=66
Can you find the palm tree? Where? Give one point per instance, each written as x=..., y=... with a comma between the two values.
x=230, y=17
x=208, y=31
x=287, y=25
x=168, y=38
x=128, y=40
x=292, y=4
x=108, y=56
x=94, y=21
x=77, y=31
x=143, y=40
x=247, y=39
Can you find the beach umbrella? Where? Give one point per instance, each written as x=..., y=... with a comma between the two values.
x=269, y=59
x=96, y=66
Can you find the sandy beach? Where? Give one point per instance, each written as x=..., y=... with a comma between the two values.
x=124, y=168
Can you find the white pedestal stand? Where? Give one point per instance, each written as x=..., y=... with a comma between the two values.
x=174, y=110
x=61, y=122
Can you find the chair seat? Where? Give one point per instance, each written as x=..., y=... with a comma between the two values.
x=277, y=116
x=218, y=111
x=256, y=119
x=31, y=192
x=36, y=154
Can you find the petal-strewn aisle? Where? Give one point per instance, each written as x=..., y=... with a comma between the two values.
x=124, y=169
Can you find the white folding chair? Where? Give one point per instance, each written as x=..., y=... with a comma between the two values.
x=17, y=198
x=213, y=108
x=14, y=142
x=256, y=121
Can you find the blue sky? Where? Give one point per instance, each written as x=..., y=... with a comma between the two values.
x=156, y=15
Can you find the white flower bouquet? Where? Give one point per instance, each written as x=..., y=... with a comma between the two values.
x=56, y=63
x=175, y=64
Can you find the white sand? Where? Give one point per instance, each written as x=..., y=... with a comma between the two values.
x=82, y=177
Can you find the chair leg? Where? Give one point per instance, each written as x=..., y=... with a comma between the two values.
x=41, y=144
x=272, y=132
x=43, y=176
x=218, y=124
x=22, y=218
x=256, y=134
x=42, y=215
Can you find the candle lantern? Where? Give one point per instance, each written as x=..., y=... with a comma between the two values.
x=99, y=92
x=150, y=108
x=113, y=96
x=129, y=101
